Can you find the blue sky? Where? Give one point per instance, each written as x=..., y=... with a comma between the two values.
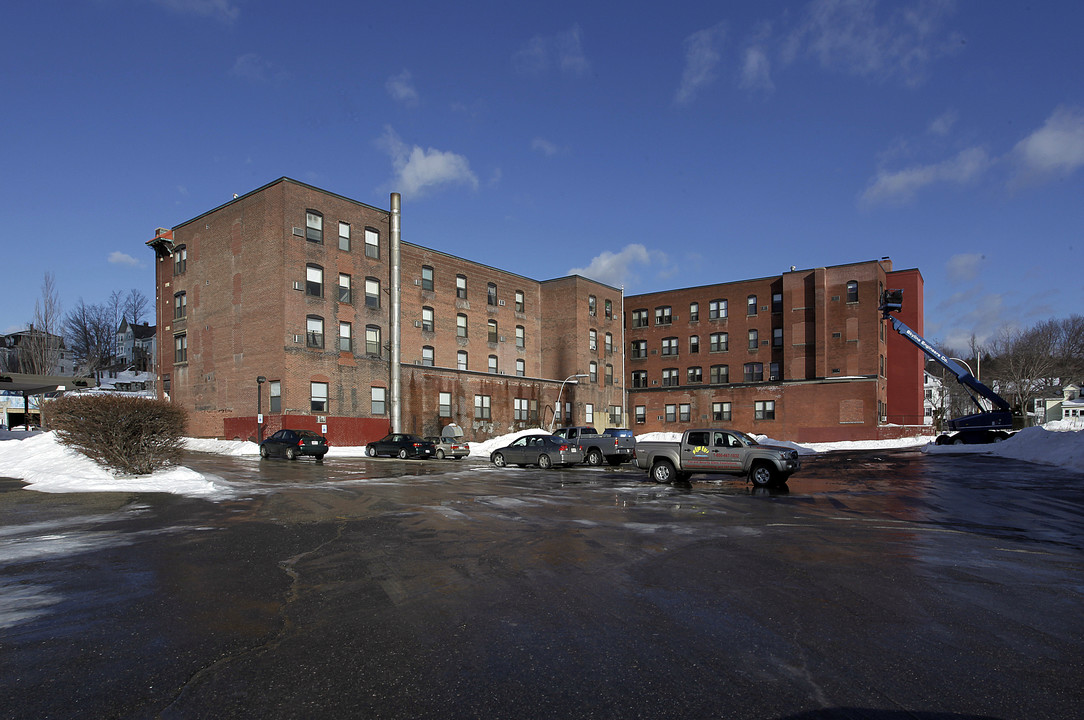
x=655, y=146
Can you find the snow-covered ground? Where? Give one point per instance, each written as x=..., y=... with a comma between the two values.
x=47, y=466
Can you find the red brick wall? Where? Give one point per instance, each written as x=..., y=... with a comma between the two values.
x=905, y=361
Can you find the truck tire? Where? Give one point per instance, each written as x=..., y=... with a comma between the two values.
x=594, y=457
x=663, y=471
x=763, y=475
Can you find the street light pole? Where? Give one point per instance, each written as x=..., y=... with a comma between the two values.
x=560, y=392
x=260, y=380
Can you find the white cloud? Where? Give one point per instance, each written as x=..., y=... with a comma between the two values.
x=1057, y=148
x=253, y=68
x=401, y=88
x=756, y=71
x=964, y=267
x=942, y=125
x=616, y=269
x=545, y=147
x=563, y=50
x=417, y=169
x=702, y=57
x=901, y=185
x=118, y=258
x=222, y=10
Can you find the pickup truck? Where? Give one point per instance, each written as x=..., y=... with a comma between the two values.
x=615, y=448
x=713, y=450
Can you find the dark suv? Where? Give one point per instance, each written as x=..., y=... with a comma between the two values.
x=291, y=444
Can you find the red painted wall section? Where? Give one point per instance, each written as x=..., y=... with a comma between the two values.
x=905, y=362
x=341, y=431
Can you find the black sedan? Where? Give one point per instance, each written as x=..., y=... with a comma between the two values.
x=402, y=445
x=291, y=444
x=545, y=451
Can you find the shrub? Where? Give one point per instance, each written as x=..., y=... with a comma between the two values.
x=131, y=435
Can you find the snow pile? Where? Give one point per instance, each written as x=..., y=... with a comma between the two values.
x=48, y=466
x=1035, y=444
x=222, y=447
x=486, y=448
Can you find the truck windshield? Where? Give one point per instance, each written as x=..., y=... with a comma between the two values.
x=748, y=440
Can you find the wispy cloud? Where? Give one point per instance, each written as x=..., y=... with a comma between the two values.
x=417, y=170
x=964, y=267
x=942, y=125
x=545, y=147
x=118, y=258
x=251, y=67
x=901, y=185
x=401, y=88
x=703, y=54
x=1056, y=149
x=617, y=269
x=221, y=10
x=563, y=51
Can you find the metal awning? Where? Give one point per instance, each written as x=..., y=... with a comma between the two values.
x=40, y=384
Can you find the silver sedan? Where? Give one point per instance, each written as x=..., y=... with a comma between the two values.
x=545, y=451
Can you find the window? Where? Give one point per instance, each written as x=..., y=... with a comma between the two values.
x=774, y=372
x=754, y=372
x=492, y=325
x=592, y=340
x=314, y=227
x=684, y=411
x=344, y=337
x=461, y=325
x=720, y=342
x=519, y=301
x=592, y=371
x=639, y=379
x=719, y=374
x=720, y=411
x=589, y=413
x=764, y=410
x=670, y=346
x=752, y=305
x=276, y=396
x=639, y=318
x=717, y=309
x=777, y=337
x=670, y=377
x=754, y=339
x=519, y=409
x=493, y=363
x=372, y=340
x=427, y=355
x=461, y=287
x=615, y=415
x=640, y=411
x=639, y=349
x=427, y=319
x=852, y=291
x=379, y=400
x=481, y=407
x=314, y=331
x=491, y=294
x=180, y=259
x=180, y=306
x=318, y=397
x=372, y=292
x=777, y=302
x=695, y=375
x=314, y=280
x=344, y=289
x=461, y=360
x=592, y=305
x=180, y=348
x=671, y=413
x=427, y=278
x=608, y=374
x=694, y=344
x=609, y=309
x=694, y=312
x=344, y=236
x=521, y=367
x=444, y=404
x=608, y=343
x=372, y=243
x=663, y=315
x=521, y=336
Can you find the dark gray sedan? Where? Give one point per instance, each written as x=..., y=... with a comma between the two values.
x=545, y=451
x=402, y=445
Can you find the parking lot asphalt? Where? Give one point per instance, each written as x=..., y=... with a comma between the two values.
x=877, y=585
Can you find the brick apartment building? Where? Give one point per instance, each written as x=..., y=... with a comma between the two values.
x=802, y=356
x=282, y=301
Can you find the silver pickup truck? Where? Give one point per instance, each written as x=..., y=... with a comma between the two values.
x=717, y=451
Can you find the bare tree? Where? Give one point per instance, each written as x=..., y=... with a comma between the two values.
x=115, y=308
x=135, y=306
x=1025, y=362
x=1071, y=348
x=40, y=351
x=90, y=332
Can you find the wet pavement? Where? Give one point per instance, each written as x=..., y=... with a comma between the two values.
x=879, y=585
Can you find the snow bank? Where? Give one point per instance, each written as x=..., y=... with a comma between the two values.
x=222, y=447
x=1035, y=444
x=485, y=449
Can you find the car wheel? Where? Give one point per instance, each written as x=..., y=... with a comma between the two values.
x=594, y=457
x=291, y=453
x=263, y=452
x=370, y=451
x=402, y=454
x=440, y=454
x=958, y=440
x=662, y=471
x=498, y=460
x=545, y=462
x=763, y=475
